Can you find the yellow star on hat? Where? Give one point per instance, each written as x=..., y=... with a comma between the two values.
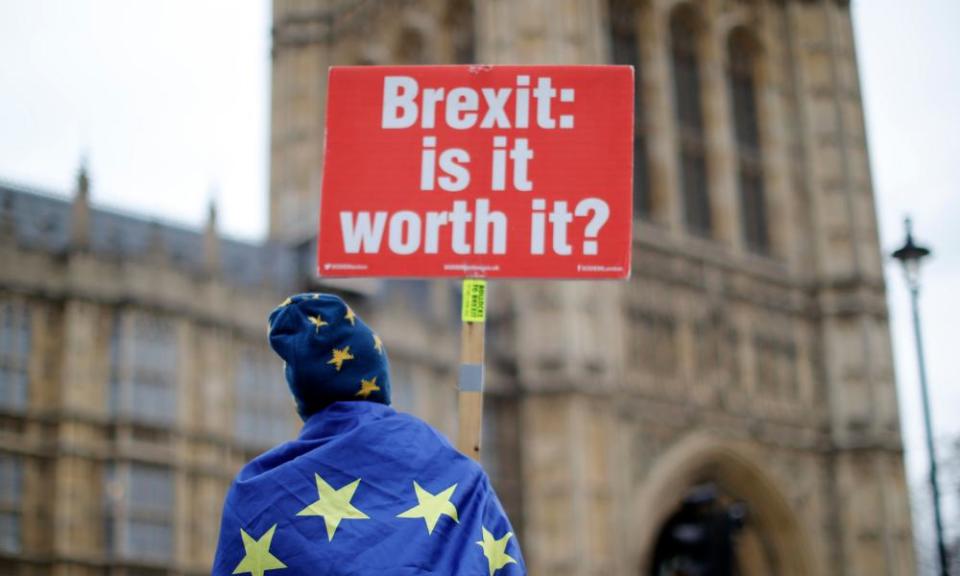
x=317, y=321
x=368, y=387
x=340, y=355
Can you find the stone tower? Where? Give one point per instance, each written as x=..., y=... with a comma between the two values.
x=747, y=363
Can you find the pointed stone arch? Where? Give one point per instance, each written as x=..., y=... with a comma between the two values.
x=459, y=21
x=731, y=466
x=412, y=46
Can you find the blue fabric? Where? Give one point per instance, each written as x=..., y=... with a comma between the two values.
x=387, y=452
x=329, y=352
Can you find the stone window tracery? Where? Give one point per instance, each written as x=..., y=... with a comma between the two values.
x=139, y=501
x=776, y=367
x=741, y=57
x=412, y=47
x=403, y=387
x=625, y=49
x=143, y=375
x=460, y=23
x=15, y=335
x=716, y=341
x=11, y=494
x=263, y=411
x=688, y=107
x=653, y=343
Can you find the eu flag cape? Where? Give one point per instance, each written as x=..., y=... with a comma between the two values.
x=365, y=490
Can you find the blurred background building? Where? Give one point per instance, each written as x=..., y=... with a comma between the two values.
x=733, y=403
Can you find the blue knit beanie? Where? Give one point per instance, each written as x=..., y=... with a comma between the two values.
x=330, y=354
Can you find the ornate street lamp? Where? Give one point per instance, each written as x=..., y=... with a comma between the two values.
x=910, y=256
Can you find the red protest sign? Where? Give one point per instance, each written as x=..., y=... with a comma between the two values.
x=507, y=171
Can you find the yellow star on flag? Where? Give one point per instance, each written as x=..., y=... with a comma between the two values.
x=334, y=505
x=257, y=558
x=286, y=302
x=350, y=316
x=432, y=506
x=378, y=343
x=368, y=387
x=340, y=356
x=495, y=550
x=316, y=321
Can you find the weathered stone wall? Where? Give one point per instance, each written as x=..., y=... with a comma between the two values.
x=767, y=374
x=782, y=359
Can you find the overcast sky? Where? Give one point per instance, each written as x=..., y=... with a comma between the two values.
x=170, y=103
x=911, y=90
x=168, y=100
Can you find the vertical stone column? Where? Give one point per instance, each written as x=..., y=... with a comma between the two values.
x=301, y=55
x=721, y=151
x=80, y=213
x=187, y=368
x=771, y=90
x=84, y=379
x=211, y=241
x=870, y=532
x=657, y=90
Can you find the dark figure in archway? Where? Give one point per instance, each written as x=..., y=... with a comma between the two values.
x=698, y=540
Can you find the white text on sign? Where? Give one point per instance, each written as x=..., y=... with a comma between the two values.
x=475, y=228
x=404, y=103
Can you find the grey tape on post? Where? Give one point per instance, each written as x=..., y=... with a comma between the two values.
x=471, y=378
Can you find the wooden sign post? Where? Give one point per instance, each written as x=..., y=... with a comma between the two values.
x=470, y=381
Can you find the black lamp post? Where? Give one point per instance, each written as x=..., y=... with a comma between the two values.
x=910, y=256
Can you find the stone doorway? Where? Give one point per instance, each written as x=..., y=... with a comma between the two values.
x=711, y=534
x=709, y=509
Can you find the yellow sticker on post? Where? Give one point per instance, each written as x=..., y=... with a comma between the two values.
x=474, y=300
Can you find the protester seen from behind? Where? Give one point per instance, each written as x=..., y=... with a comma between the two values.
x=363, y=489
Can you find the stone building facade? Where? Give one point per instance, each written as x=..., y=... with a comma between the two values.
x=134, y=382
x=746, y=366
x=748, y=358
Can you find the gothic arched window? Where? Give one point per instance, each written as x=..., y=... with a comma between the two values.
x=741, y=55
x=463, y=36
x=412, y=47
x=625, y=49
x=15, y=340
x=689, y=116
